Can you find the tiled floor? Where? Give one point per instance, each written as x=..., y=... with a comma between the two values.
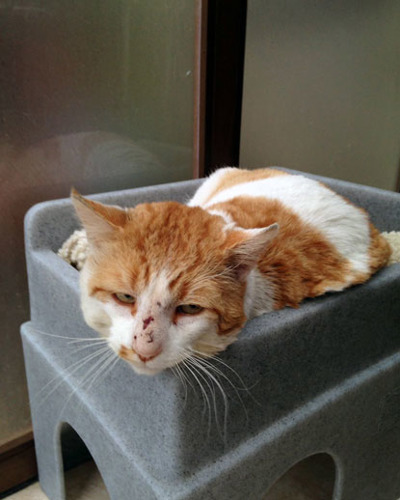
x=310, y=480
x=85, y=483
x=82, y=483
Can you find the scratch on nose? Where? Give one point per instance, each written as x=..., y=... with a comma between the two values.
x=150, y=336
x=147, y=321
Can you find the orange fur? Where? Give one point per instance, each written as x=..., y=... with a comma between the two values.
x=300, y=261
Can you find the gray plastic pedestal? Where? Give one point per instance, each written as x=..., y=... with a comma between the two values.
x=323, y=378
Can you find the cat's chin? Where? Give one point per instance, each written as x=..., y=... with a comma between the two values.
x=144, y=370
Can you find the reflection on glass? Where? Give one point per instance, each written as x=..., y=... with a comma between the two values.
x=98, y=95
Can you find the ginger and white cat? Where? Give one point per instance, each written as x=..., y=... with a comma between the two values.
x=164, y=280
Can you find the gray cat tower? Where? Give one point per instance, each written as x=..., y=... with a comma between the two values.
x=324, y=378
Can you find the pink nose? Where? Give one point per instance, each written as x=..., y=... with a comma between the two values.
x=146, y=345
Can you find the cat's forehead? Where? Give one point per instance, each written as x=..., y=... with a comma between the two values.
x=172, y=229
x=169, y=213
x=164, y=244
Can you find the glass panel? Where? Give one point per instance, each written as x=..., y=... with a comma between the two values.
x=95, y=94
x=321, y=88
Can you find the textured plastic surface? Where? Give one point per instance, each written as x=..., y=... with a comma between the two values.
x=322, y=378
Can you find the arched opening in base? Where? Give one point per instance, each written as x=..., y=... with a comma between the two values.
x=81, y=475
x=311, y=479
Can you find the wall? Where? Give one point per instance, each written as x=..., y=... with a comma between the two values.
x=321, y=88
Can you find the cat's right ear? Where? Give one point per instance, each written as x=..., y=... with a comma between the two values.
x=100, y=221
x=244, y=255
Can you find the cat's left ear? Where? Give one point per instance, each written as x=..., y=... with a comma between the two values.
x=244, y=256
x=100, y=221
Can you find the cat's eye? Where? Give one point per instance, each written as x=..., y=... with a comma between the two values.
x=189, y=309
x=125, y=298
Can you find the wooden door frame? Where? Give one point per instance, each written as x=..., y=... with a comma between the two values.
x=17, y=462
x=219, y=66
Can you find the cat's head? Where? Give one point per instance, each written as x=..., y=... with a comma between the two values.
x=164, y=281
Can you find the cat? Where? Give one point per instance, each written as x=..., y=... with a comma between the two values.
x=164, y=280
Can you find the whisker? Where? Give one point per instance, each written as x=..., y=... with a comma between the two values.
x=104, y=363
x=81, y=383
x=88, y=339
x=58, y=375
x=177, y=371
x=203, y=391
x=61, y=336
x=222, y=374
x=199, y=370
x=183, y=354
x=186, y=379
x=244, y=387
x=219, y=360
x=106, y=368
x=103, y=360
x=217, y=371
x=76, y=366
x=81, y=348
x=222, y=392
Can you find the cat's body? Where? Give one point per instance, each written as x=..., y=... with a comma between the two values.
x=164, y=281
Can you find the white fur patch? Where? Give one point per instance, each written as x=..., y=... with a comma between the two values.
x=93, y=310
x=229, y=222
x=209, y=186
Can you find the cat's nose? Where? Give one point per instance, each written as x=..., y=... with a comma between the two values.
x=146, y=345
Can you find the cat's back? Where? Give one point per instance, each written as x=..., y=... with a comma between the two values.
x=318, y=227
x=227, y=183
x=305, y=196
x=271, y=190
